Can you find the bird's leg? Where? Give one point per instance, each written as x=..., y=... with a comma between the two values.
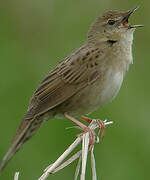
x=84, y=128
x=99, y=122
x=86, y=119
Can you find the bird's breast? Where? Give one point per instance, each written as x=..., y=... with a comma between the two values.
x=111, y=86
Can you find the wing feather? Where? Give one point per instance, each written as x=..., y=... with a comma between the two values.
x=65, y=80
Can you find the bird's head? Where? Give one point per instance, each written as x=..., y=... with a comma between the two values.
x=112, y=25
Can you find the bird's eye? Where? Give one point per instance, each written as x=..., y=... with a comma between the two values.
x=111, y=22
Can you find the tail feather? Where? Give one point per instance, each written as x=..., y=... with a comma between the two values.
x=7, y=157
x=26, y=130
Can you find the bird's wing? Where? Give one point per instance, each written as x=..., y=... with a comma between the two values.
x=71, y=75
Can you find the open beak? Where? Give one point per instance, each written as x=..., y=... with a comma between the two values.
x=125, y=19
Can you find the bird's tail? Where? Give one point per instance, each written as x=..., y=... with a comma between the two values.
x=26, y=130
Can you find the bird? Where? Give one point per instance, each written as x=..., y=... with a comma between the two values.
x=84, y=81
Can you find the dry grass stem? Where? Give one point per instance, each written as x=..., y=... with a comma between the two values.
x=16, y=176
x=69, y=161
x=93, y=166
x=77, y=169
x=58, y=165
x=85, y=148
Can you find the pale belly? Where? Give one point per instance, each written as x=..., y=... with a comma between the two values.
x=111, y=87
x=102, y=93
x=93, y=96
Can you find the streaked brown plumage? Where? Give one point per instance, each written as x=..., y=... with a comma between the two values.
x=84, y=81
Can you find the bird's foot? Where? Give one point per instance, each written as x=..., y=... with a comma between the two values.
x=99, y=122
x=84, y=128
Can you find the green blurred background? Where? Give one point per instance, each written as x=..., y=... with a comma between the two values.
x=34, y=36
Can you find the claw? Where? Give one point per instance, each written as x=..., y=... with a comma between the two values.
x=102, y=127
x=99, y=122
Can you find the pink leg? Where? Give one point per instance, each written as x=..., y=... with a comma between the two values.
x=86, y=119
x=99, y=122
x=84, y=127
